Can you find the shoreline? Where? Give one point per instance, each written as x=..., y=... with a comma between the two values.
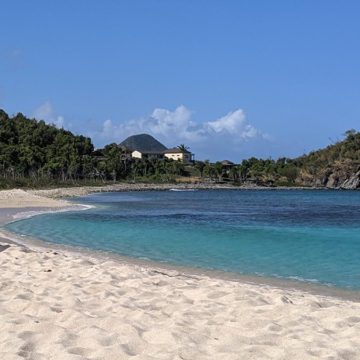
x=285, y=284
x=183, y=270
x=75, y=191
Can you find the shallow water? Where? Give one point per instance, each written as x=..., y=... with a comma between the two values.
x=312, y=236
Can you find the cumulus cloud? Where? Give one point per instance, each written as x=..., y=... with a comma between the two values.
x=177, y=126
x=229, y=136
x=46, y=112
x=161, y=122
x=173, y=123
x=234, y=123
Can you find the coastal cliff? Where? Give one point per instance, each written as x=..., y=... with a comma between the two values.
x=336, y=166
x=339, y=176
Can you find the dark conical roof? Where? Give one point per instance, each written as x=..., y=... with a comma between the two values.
x=227, y=162
x=144, y=143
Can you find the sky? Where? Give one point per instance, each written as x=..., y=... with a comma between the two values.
x=230, y=79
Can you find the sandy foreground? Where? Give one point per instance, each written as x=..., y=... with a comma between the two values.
x=61, y=304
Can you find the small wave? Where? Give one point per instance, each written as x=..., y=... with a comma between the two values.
x=182, y=190
x=299, y=278
x=28, y=214
x=294, y=278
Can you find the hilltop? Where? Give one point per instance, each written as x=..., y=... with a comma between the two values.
x=142, y=142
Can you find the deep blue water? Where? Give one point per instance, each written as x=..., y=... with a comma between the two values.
x=308, y=235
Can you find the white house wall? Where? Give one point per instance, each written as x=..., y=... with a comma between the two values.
x=136, y=154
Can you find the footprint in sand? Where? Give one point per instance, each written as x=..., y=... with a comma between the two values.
x=26, y=349
x=217, y=294
x=354, y=319
x=79, y=351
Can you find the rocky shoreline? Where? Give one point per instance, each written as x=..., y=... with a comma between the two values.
x=85, y=190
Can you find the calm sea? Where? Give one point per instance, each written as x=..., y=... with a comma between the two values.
x=312, y=236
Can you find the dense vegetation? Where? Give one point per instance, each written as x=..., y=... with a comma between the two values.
x=329, y=167
x=33, y=153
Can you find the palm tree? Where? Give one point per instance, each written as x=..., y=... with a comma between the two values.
x=183, y=148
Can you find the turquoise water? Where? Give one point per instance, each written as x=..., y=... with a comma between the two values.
x=306, y=235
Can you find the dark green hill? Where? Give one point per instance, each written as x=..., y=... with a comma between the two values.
x=144, y=143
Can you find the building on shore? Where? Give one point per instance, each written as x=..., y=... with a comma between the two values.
x=145, y=146
x=178, y=154
x=227, y=164
x=137, y=154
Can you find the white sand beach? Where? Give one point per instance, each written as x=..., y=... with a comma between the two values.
x=17, y=198
x=62, y=304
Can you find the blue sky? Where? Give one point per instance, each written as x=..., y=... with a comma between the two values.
x=231, y=79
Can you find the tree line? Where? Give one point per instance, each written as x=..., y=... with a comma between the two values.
x=340, y=160
x=33, y=153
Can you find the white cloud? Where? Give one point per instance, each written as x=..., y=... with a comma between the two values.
x=169, y=123
x=46, y=112
x=234, y=124
x=161, y=122
x=177, y=126
x=229, y=136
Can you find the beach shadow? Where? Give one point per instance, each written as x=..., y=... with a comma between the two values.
x=3, y=247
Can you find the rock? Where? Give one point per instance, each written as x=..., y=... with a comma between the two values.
x=332, y=181
x=352, y=183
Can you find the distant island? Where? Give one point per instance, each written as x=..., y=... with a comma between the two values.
x=35, y=154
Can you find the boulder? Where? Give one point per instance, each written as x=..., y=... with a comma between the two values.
x=353, y=182
x=332, y=181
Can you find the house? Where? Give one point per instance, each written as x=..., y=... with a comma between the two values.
x=143, y=146
x=227, y=164
x=182, y=155
x=146, y=155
